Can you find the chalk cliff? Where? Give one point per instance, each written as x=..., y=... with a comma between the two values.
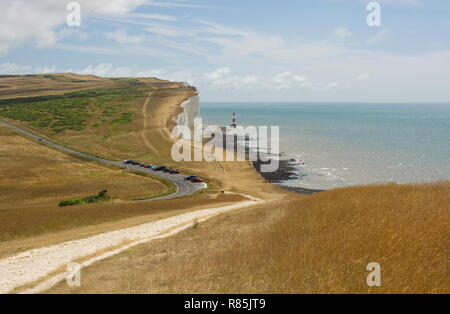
x=191, y=110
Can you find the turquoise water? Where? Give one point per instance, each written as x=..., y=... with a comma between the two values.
x=342, y=145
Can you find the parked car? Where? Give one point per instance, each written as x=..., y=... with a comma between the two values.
x=196, y=180
x=174, y=172
x=160, y=168
x=167, y=170
x=142, y=165
x=190, y=178
x=127, y=162
x=148, y=166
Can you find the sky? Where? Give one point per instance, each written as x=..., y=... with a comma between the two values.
x=242, y=50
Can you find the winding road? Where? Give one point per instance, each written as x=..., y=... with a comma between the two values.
x=184, y=188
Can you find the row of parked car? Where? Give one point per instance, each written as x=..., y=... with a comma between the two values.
x=193, y=179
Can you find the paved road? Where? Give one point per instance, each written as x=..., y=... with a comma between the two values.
x=184, y=188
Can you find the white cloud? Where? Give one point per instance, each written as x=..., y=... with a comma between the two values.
x=36, y=22
x=282, y=77
x=342, y=32
x=288, y=80
x=13, y=68
x=122, y=37
x=181, y=76
x=162, y=17
x=150, y=73
x=236, y=44
x=109, y=70
x=122, y=51
x=222, y=79
x=167, y=4
x=105, y=70
x=108, y=7
x=218, y=29
x=45, y=69
x=283, y=81
x=218, y=74
x=332, y=85
x=379, y=37
x=301, y=79
x=362, y=76
x=251, y=79
x=168, y=30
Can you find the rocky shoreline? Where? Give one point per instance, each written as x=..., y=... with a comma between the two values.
x=286, y=171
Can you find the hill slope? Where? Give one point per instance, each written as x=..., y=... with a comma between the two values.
x=313, y=244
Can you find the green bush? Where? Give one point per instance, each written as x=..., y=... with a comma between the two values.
x=100, y=197
x=71, y=202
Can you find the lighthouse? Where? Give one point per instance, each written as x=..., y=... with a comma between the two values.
x=233, y=125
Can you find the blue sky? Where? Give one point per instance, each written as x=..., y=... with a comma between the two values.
x=247, y=50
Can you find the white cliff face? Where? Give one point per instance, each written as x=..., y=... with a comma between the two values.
x=191, y=111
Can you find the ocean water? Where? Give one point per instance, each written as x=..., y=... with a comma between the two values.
x=351, y=144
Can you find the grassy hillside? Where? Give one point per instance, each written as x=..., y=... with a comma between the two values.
x=124, y=119
x=93, y=120
x=129, y=119
x=17, y=86
x=34, y=179
x=309, y=244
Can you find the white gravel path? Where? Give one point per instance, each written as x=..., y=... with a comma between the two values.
x=30, y=266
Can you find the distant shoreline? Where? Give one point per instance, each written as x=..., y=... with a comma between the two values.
x=285, y=172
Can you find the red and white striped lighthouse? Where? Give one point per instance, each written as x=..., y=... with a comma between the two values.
x=234, y=120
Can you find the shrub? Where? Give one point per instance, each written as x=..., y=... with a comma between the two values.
x=71, y=202
x=100, y=197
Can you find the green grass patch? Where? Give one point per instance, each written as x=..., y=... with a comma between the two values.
x=71, y=111
x=100, y=197
x=125, y=118
x=78, y=94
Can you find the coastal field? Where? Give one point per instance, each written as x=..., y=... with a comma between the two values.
x=290, y=244
x=34, y=179
x=23, y=86
x=131, y=119
x=308, y=244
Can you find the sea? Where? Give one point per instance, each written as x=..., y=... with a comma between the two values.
x=339, y=145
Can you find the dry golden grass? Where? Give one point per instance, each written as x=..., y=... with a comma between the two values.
x=151, y=124
x=31, y=174
x=41, y=227
x=51, y=84
x=309, y=244
x=34, y=179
